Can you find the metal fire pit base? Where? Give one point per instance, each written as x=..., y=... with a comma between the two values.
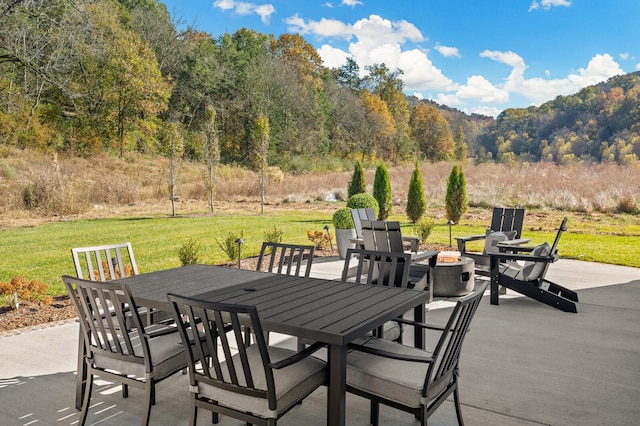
x=454, y=279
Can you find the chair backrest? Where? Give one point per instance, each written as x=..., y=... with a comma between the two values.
x=288, y=259
x=220, y=328
x=382, y=235
x=104, y=263
x=378, y=267
x=109, y=322
x=358, y=215
x=532, y=270
x=447, y=351
x=506, y=219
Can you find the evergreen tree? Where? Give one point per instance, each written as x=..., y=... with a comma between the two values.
x=358, y=184
x=456, y=197
x=382, y=191
x=416, y=202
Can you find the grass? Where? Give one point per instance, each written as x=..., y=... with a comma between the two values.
x=43, y=252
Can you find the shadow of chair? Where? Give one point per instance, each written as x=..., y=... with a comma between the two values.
x=506, y=225
x=411, y=379
x=529, y=278
x=254, y=383
x=287, y=259
x=116, y=346
x=384, y=268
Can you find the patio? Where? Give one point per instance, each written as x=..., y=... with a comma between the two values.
x=524, y=363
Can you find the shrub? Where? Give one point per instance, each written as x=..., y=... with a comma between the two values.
x=342, y=219
x=456, y=196
x=423, y=228
x=358, y=184
x=19, y=288
x=364, y=200
x=319, y=238
x=229, y=244
x=416, y=202
x=627, y=205
x=189, y=252
x=274, y=235
x=382, y=191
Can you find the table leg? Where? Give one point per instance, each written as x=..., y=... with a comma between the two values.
x=419, y=335
x=495, y=280
x=337, y=392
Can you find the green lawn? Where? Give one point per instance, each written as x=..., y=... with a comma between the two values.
x=44, y=252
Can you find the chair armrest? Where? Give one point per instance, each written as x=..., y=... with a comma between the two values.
x=298, y=356
x=514, y=242
x=526, y=257
x=418, y=324
x=159, y=331
x=413, y=241
x=391, y=355
x=471, y=238
x=424, y=255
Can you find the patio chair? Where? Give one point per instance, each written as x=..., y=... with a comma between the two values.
x=258, y=384
x=383, y=268
x=368, y=214
x=411, y=379
x=101, y=264
x=386, y=235
x=114, y=351
x=529, y=278
x=288, y=259
x=506, y=225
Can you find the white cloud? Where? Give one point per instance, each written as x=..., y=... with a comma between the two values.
x=332, y=57
x=638, y=66
x=548, y=4
x=477, y=89
x=324, y=28
x=448, y=51
x=264, y=11
x=351, y=3
x=624, y=56
x=538, y=90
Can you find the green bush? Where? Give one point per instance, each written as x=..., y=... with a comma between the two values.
x=423, y=228
x=416, y=202
x=189, y=252
x=362, y=201
x=274, y=235
x=358, y=185
x=342, y=219
x=382, y=191
x=456, y=197
x=229, y=244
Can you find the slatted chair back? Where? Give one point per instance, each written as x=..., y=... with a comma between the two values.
x=536, y=270
x=358, y=215
x=382, y=235
x=288, y=259
x=228, y=375
x=446, y=354
x=378, y=267
x=104, y=263
x=505, y=219
x=107, y=335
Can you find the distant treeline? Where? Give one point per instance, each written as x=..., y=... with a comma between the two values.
x=84, y=77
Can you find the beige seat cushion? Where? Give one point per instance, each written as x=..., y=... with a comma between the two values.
x=291, y=383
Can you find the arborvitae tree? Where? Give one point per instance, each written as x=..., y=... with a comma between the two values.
x=456, y=198
x=416, y=202
x=382, y=191
x=358, y=184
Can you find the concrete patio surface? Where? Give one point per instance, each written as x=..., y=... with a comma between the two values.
x=523, y=363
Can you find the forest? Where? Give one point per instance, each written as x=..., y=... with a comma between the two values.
x=121, y=77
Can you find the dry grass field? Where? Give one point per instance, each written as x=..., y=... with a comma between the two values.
x=38, y=187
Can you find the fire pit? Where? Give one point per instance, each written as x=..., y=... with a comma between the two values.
x=453, y=276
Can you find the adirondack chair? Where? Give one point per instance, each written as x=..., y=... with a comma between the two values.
x=385, y=235
x=368, y=214
x=529, y=278
x=506, y=225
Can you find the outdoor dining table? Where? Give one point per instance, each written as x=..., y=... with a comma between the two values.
x=323, y=310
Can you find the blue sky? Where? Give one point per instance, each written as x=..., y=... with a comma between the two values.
x=479, y=56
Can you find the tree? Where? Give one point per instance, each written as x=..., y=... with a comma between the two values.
x=431, y=132
x=456, y=197
x=416, y=201
x=173, y=144
x=382, y=191
x=260, y=136
x=358, y=184
x=211, y=151
x=460, y=152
